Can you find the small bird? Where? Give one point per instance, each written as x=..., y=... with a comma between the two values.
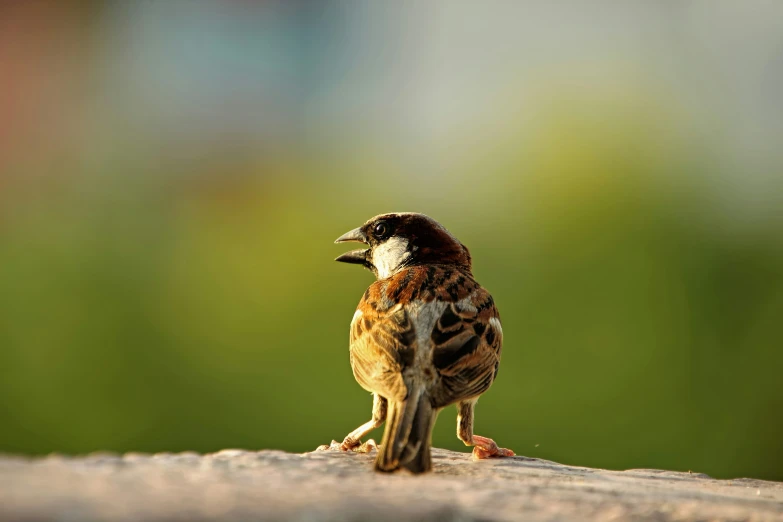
x=425, y=335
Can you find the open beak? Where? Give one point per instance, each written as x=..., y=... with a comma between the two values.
x=357, y=257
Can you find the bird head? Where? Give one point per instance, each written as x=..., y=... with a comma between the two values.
x=403, y=239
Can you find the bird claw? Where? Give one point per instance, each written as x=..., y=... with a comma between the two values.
x=349, y=444
x=486, y=448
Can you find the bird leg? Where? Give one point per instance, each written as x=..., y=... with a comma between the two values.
x=353, y=441
x=483, y=447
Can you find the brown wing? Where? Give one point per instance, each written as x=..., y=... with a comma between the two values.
x=467, y=342
x=382, y=346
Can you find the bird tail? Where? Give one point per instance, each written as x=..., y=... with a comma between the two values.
x=407, y=438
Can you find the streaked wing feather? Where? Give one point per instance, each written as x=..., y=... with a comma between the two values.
x=382, y=346
x=467, y=344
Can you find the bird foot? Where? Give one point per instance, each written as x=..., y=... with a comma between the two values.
x=485, y=448
x=350, y=444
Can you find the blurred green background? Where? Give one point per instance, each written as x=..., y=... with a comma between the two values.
x=173, y=174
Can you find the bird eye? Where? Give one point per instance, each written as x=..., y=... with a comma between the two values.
x=381, y=229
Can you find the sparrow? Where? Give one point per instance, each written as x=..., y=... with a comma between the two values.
x=425, y=335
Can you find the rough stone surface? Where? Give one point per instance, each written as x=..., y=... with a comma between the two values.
x=273, y=485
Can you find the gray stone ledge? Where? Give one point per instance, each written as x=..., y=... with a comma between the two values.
x=274, y=485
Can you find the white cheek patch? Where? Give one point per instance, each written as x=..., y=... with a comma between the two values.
x=388, y=256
